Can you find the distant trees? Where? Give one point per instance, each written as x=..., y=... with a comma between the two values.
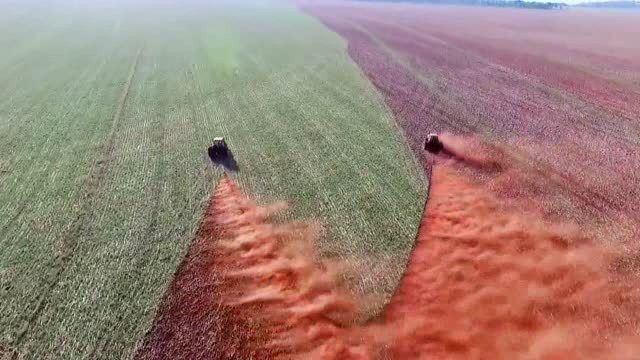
x=612, y=5
x=493, y=3
x=522, y=4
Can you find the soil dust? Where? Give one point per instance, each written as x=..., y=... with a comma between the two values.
x=487, y=278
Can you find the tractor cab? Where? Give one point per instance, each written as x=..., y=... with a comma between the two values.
x=433, y=144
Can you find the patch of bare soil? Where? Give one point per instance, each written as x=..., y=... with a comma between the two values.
x=193, y=322
x=487, y=279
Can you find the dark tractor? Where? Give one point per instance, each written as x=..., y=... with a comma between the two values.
x=220, y=154
x=218, y=151
x=433, y=144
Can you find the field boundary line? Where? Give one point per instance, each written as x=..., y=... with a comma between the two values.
x=417, y=162
x=79, y=224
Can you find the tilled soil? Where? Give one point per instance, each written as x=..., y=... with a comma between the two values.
x=193, y=322
x=485, y=280
x=561, y=88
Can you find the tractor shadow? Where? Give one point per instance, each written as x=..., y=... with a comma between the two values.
x=224, y=159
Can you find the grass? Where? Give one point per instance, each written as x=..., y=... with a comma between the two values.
x=105, y=114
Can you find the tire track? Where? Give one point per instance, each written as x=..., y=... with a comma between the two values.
x=13, y=219
x=81, y=224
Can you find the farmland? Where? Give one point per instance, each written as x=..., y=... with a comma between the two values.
x=483, y=280
x=106, y=109
x=114, y=244
x=560, y=86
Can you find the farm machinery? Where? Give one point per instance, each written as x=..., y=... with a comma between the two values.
x=218, y=151
x=221, y=155
x=433, y=144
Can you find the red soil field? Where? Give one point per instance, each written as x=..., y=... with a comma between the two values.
x=560, y=88
x=251, y=289
x=485, y=281
x=193, y=322
x=488, y=281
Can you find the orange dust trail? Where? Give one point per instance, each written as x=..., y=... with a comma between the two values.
x=250, y=288
x=192, y=321
x=299, y=307
x=510, y=173
x=485, y=282
x=473, y=152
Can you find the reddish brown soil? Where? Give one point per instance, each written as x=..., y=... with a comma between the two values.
x=193, y=321
x=487, y=281
x=252, y=289
x=561, y=87
x=484, y=281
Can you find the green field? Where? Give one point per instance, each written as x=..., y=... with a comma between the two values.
x=106, y=111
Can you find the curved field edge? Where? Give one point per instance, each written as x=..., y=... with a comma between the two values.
x=192, y=322
x=83, y=267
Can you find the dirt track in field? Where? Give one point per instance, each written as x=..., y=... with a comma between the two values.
x=192, y=322
x=249, y=288
x=561, y=89
x=486, y=280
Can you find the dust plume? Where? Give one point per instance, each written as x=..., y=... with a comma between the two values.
x=487, y=282
x=487, y=279
x=517, y=178
x=300, y=305
x=473, y=152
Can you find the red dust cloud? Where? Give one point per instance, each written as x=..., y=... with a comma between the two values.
x=484, y=282
x=279, y=281
x=509, y=173
x=487, y=279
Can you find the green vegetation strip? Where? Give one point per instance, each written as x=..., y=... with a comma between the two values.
x=101, y=188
